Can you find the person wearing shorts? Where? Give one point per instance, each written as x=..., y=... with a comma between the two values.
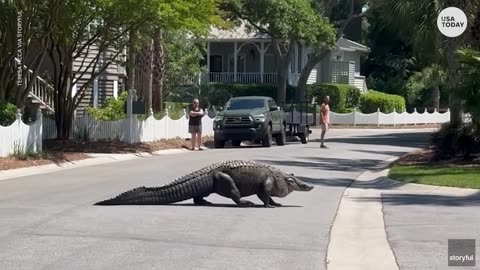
x=195, y=124
x=324, y=119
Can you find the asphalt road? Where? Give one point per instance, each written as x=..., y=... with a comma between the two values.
x=48, y=221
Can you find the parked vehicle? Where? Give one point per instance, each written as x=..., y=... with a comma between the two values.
x=254, y=118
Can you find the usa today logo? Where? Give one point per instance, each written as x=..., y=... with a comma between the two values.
x=452, y=22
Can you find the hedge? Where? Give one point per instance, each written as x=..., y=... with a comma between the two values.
x=342, y=96
x=372, y=100
x=218, y=94
x=7, y=113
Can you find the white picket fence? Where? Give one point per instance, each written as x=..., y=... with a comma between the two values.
x=378, y=118
x=130, y=130
x=21, y=137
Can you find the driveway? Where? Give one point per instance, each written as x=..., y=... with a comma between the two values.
x=48, y=221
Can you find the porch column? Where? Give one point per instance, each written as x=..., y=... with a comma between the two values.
x=262, y=60
x=296, y=59
x=208, y=61
x=235, y=56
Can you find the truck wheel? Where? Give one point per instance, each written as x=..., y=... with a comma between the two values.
x=219, y=144
x=304, y=136
x=282, y=137
x=236, y=143
x=267, y=141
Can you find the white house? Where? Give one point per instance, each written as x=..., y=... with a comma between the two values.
x=240, y=55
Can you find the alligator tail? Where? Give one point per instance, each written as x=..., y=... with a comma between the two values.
x=177, y=191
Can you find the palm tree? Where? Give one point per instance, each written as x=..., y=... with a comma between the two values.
x=430, y=77
x=416, y=20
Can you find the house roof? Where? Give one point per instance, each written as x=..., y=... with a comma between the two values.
x=242, y=33
x=349, y=45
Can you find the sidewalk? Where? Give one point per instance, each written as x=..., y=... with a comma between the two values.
x=358, y=237
x=96, y=159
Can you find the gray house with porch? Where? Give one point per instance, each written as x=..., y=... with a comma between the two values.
x=239, y=55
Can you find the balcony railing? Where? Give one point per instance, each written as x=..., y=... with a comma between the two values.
x=229, y=77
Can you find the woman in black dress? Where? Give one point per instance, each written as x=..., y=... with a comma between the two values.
x=195, y=124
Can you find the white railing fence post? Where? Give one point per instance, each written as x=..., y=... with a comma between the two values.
x=129, y=127
x=394, y=114
x=355, y=116
x=415, y=112
x=167, y=121
x=39, y=130
x=18, y=115
x=378, y=117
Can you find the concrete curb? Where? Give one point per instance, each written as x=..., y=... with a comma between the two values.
x=96, y=159
x=358, y=238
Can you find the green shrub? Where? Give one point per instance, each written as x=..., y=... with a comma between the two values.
x=342, y=96
x=219, y=93
x=112, y=110
x=451, y=141
x=7, y=113
x=372, y=100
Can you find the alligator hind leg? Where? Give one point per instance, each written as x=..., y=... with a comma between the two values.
x=225, y=186
x=201, y=201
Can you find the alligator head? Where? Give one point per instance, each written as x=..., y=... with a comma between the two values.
x=295, y=184
x=286, y=183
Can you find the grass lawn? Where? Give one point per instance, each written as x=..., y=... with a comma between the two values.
x=438, y=175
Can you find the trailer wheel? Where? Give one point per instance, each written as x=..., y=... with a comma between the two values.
x=282, y=137
x=305, y=136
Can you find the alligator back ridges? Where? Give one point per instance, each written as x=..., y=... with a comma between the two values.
x=197, y=184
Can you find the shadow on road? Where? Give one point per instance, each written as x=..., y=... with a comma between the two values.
x=331, y=164
x=332, y=182
x=427, y=199
x=413, y=139
x=232, y=205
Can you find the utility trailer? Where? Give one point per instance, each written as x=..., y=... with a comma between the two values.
x=299, y=122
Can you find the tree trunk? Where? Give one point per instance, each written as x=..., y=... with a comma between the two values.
x=282, y=85
x=436, y=96
x=450, y=46
x=313, y=60
x=159, y=71
x=131, y=61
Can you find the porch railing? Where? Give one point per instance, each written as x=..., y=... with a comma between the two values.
x=229, y=77
x=41, y=90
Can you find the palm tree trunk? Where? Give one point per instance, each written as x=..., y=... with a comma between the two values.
x=450, y=46
x=159, y=71
x=436, y=96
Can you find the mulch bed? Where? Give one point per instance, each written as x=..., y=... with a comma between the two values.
x=9, y=163
x=426, y=157
x=56, y=152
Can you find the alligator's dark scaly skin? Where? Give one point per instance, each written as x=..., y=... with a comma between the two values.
x=232, y=179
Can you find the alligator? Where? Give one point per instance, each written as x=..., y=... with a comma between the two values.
x=233, y=179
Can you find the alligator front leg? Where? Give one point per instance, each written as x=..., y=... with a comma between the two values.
x=264, y=193
x=274, y=203
x=225, y=186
